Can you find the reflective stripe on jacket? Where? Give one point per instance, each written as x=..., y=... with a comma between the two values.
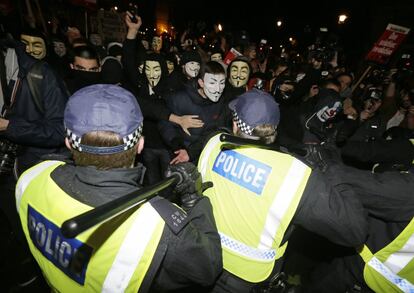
x=255, y=195
x=111, y=257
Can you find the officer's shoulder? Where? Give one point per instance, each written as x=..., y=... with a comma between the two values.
x=175, y=218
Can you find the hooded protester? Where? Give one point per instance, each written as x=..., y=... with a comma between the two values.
x=58, y=58
x=328, y=105
x=238, y=75
x=35, y=43
x=191, y=64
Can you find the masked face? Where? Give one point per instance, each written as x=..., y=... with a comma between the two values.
x=59, y=48
x=35, y=46
x=239, y=73
x=83, y=64
x=170, y=66
x=213, y=86
x=145, y=44
x=216, y=57
x=192, y=68
x=153, y=72
x=95, y=39
x=156, y=44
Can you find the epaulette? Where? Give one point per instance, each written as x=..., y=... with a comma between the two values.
x=174, y=216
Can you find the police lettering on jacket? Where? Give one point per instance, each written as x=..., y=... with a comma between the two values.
x=71, y=256
x=242, y=170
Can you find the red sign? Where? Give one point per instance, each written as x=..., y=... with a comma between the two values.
x=231, y=55
x=389, y=42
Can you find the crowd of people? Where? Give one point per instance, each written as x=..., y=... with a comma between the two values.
x=298, y=152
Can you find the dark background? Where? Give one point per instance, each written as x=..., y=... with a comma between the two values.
x=301, y=19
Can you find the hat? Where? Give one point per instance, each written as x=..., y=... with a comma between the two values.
x=111, y=70
x=254, y=108
x=103, y=107
x=189, y=56
x=114, y=49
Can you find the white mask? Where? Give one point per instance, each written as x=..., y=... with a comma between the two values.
x=214, y=86
x=192, y=68
x=59, y=48
x=239, y=73
x=153, y=72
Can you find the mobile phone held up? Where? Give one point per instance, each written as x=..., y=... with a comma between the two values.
x=133, y=9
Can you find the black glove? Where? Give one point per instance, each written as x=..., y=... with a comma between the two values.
x=190, y=186
x=314, y=157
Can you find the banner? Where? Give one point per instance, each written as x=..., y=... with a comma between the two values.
x=109, y=25
x=387, y=44
x=231, y=55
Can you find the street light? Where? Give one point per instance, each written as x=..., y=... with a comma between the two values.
x=342, y=18
x=279, y=23
x=220, y=28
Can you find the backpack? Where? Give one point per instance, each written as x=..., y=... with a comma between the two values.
x=34, y=80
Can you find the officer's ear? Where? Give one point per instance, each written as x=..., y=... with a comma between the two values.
x=67, y=143
x=235, y=128
x=140, y=145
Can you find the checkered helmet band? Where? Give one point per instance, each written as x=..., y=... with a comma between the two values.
x=129, y=142
x=242, y=125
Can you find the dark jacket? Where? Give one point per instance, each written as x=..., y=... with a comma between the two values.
x=188, y=256
x=190, y=102
x=153, y=106
x=37, y=134
x=330, y=208
x=388, y=200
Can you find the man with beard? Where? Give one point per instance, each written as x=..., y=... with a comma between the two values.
x=204, y=101
x=85, y=68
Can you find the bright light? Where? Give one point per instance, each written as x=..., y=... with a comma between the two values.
x=220, y=28
x=279, y=23
x=116, y=8
x=290, y=39
x=342, y=18
x=204, y=36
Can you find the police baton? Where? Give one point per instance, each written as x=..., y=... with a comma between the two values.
x=76, y=225
x=240, y=141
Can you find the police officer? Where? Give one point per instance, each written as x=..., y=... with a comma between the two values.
x=156, y=247
x=259, y=193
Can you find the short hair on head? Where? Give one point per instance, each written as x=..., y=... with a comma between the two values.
x=85, y=52
x=330, y=81
x=211, y=67
x=266, y=133
x=123, y=159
